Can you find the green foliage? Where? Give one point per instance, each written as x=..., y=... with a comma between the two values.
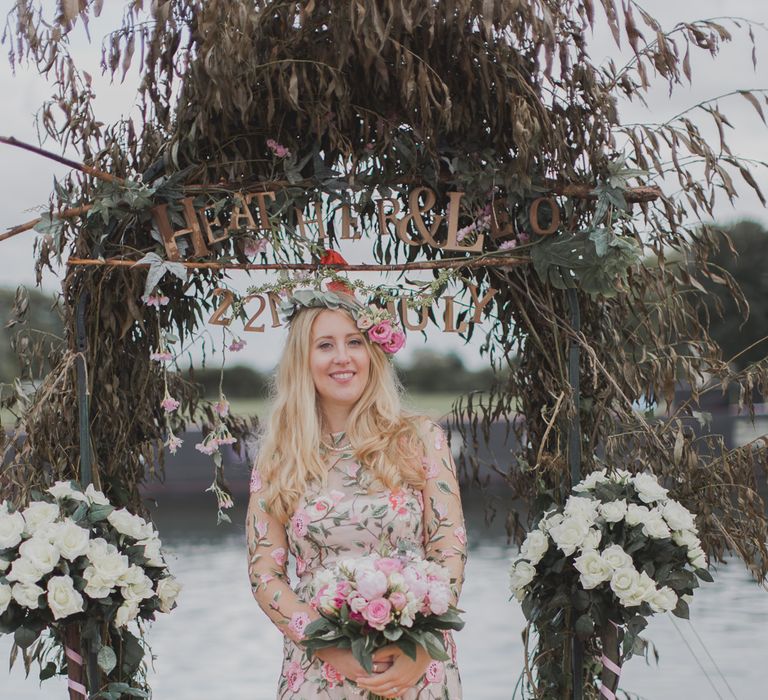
x=431, y=372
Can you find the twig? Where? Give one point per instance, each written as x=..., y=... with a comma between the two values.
x=66, y=214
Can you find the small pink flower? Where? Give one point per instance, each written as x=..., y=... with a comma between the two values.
x=207, y=448
x=299, y=523
x=256, y=482
x=435, y=672
x=299, y=620
x=264, y=579
x=389, y=565
x=431, y=470
x=279, y=555
x=364, y=323
x=352, y=469
x=331, y=675
x=169, y=404
x=378, y=613
x=396, y=342
x=237, y=345
x=301, y=566
x=462, y=233
x=441, y=509
x=381, y=332
x=523, y=237
x=508, y=245
x=164, y=356
x=222, y=407
x=336, y=496
x=343, y=589
x=173, y=444
x=278, y=149
x=461, y=535
x=252, y=248
x=225, y=501
x=261, y=529
x=156, y=300
x=294, y=675
x=398, y=600
x=323, y=505
x=226, y=440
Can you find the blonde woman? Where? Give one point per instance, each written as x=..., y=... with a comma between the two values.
x=343, y=471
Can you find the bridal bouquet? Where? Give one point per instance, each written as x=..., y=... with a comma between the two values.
x=373, y=601
x=70, y=556
x=618, y=551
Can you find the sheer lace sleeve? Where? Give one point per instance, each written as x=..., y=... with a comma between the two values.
x=445, y=538
x=267, y=569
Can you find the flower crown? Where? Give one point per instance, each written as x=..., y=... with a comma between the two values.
x=377, y=324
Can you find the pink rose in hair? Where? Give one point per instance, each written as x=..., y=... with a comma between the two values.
x=378, y=613
x=381, y=332
x=396, y=342
x=389, y=565
x=435, y=672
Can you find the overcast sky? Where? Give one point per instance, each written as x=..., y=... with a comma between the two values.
x=26, y=179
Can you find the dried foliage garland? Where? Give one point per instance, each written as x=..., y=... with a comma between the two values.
x=485, y=98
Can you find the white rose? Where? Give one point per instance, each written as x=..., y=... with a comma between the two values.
x=5, y=597
x=153, y=552
x=613, y=511
x=642, y=592
x=4, y=564
x=99, y=547
x=617, y=557
x=96, y=587
x=521, y=574
x=168, y=590
x=64, y=489
x=624, y=580
x=678, y=517
x=687, y=539
x=126, y=612
x=63, y=599
x=581, y=507
x=549, y=521
x=111, y=566
x=697, y=558
x=129, y=524
x=71, y=539
x=592, y=540
x=27, y=595
x=655, y=527
x=664, y=600
x=95, y=496
x=39, y=513
x=535, y=546
x=24, y=571
x=636, y=514
x=40, y=553
x=593, y=569
x=11, y=528
x=592, y=480
x=569, y=534
x=140, y=590
x=396, y=580
x=649, y=489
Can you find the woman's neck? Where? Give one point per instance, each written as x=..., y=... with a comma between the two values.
x=336, y=418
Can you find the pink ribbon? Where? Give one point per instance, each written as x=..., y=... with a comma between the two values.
x=74, y=685
x=611, y=666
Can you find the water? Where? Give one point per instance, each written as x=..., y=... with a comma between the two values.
x=217, y=643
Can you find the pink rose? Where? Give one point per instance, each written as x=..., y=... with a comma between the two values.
x=378, y=613
x=299, y=620
x=357, y=603
x=280, y=556
x=256, y=483
x=364, y=323
x=331, y=675
x=299, y=523
x=435, y=672
x=381, y=332
x=294, y=675
x=396, y=342
x=398, y=600
x=389, y=565
x=343, y=588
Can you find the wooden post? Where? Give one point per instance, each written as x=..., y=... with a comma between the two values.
x=609, y=679
x=75, y=670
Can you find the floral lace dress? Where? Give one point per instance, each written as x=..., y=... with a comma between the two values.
x=341, y=520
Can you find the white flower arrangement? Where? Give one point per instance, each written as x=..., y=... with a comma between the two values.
x=619, y=550
x=72, y=557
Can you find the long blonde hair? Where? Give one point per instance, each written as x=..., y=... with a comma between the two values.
x=385, y=439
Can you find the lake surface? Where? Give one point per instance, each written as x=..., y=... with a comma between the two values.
x=218, y=644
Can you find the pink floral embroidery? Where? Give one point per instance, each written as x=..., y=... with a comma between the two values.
x=352, y=469
x=431, y=470
x=441, y=509
x=301, y=566
x=397, y=502
x=299, y=523
x=256, y=483
x=439, y=439
x=279, y=555
x=322, y=505
x=294, y=675
x=299, y=620
x=331, y=675
x=435, y=672
x=336, y=496
x=461, y=535
x=261, y=529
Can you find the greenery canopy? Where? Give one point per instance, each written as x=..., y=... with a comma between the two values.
x=498, y=100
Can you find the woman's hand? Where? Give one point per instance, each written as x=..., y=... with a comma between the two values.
x=404, y=673
x=348, y=666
